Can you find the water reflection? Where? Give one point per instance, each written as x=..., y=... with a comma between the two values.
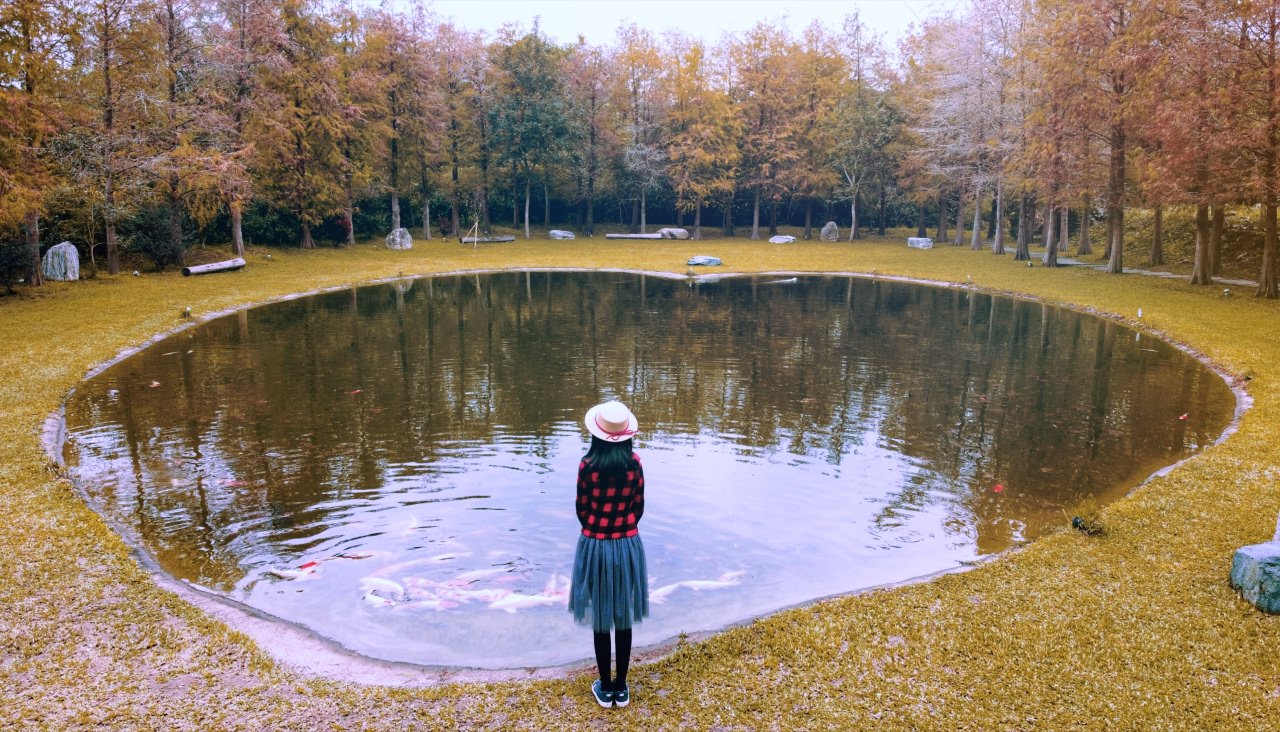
x=819, y=435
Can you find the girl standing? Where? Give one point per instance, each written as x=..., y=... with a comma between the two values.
x=610, y=582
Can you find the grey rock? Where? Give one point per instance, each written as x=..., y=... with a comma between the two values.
x=781, y=239
x=400, y=239
x=1255, y=572
x=61, y=262
x=830, y=232
x=561, y=234
x=705, y=260
x=916, y=242
x=673, y=233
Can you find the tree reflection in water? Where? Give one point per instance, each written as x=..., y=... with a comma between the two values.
x=824, y=435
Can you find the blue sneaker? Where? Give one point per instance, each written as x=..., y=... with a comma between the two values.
x=622, y=697
x=603, y=698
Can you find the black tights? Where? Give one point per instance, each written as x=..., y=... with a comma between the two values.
x=623, y=654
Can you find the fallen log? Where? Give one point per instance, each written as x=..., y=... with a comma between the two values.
x=633, y=236
x=229, y=265
x=487, y=239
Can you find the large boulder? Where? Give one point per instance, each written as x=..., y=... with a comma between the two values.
x=673, y=233
x=560, y=234
x=61, y=262
x=919, y=242
x=830, y=232
x=400, y=239
x=781, y=239
x=705, y=260
x=1255, y=572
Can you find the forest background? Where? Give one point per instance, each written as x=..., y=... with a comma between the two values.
x=139, y=129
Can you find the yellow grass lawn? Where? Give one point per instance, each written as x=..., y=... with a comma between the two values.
x=1134, y=630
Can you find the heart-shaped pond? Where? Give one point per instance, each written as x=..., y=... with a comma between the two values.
x=393, y=466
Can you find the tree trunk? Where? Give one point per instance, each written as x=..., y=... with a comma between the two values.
x=959, y=238
x=1110, y=226
x=455, y=196
x=394, y=164
x=349, y=219
x=881, y=229
x=546, y=206
x=1215, y=239
x=175, y=219
x=1201, y=269
x=1267, y=285
x=1156, y=255
x=1085, y=248
x=921, y=226
x=636, y=213
x=755, y=215
x=991, y=222
x=425, y=191
x=307, y=242
x=31, y=231
x=727, y=229
x=528, y=194
x=643, y=211
x=237, y=231
x=773, y=218
x=697, y=220
x=997, y=240
x=1115, y=190
x=942, y=215
x=1023, y=252
x=976, y=243
x=1064, y=231
x=853, y=217
x=1050, y=258
x=808, y=219
x=109, y=217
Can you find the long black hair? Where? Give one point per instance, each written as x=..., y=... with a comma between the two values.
x=611, y=458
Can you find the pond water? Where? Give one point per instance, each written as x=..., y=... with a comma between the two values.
x=387, y=465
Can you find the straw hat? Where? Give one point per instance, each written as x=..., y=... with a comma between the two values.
x=611, y=422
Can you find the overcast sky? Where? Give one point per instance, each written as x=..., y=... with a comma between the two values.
x=598, y=20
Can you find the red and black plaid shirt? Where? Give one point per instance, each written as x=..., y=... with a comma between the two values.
x=610, y=506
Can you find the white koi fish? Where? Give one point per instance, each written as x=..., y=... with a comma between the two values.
x=556, y=586
x=487, y=595
x=294, y=574
x=728, y=579
x=516, y=601
x=659, y=595
x=434, y=604
x=378, y=584
x=377, y=600
x=476, y=574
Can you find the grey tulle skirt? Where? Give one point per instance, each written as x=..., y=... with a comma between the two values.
x=610, y=583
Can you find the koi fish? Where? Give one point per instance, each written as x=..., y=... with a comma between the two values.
x=490, y=595
x=293, y=574
x=354, y=555
x=726, y=580
x=378, y=584
x=431, y=604
x=476, y=574
x=555, y=587
x=377, y=600
x=516, y=601
x=659, y=595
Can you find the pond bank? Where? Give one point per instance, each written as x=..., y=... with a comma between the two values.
x=1136, y=630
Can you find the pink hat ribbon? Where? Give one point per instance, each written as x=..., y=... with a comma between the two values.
x=624, y=432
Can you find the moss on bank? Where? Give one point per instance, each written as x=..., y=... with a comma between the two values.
x=1134, y=630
